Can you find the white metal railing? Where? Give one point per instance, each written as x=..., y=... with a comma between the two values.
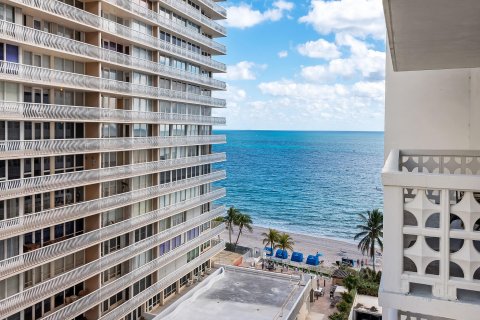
x=11, y=110
x=34, y=148
x=215, y=7
x=196, y=14
x=31, y=74
x=56, y=250
x=19, y=33
x=48, y=288
x=26, y=186
x=168, y=23
x=28, y=223
x=105, y=25
x=133, y=303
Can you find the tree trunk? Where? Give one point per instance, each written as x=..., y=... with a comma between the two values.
x=230, y=233
x=373, y=257
x=238, y=237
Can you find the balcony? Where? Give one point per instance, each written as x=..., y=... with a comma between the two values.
x=196, y=14
x=108, y=26
x=432, y=202
x=22, y=187
x=36, y=148
x=21, y=34
x=56, y=250
x=170, y=24
x=43, y=76
x=28, y=223
x=48, y=288
x=133, y=303
x=53, y=112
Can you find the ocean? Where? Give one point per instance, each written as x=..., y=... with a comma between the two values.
x=313, y=183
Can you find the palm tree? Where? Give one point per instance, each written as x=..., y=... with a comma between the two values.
x=229, y=220
x=285, y=242
x=270, y=238
x=371, y=233
x=243, y=221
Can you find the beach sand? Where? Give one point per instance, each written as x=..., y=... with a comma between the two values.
x=330, y=248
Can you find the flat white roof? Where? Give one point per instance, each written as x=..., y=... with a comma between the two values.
x=238, y=293
x=367, y=302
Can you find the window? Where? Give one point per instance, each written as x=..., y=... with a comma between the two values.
x=114, y=244
x=142, y=285
x=193, y=254
x=9, y=287
x=113, y=300
x=169, y=290
x=112, y=273
x=164, y=248
x=7, y=13
x=177, y=241
x=179, y=218
x=112, y=217
x=143, y=233
x=191, y=234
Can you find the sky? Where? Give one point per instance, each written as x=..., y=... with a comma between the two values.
x=304, y=65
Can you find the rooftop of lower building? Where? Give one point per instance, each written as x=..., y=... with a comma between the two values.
x=240, y=293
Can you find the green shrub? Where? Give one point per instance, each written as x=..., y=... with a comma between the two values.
x=347, y=297
x=343, y=306
x=338, y=316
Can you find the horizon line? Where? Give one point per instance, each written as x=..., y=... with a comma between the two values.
x=295, y=130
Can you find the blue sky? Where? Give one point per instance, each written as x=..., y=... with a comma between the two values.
x=304, y=65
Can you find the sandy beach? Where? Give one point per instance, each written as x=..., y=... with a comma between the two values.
x=330, y=248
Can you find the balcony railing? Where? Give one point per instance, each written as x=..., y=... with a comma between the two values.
x=131, y=304
x=28, y=223
x=50, y=287
x=56, y=250
x=195, y=14
x=432, y=203
x=30, y=74
x=19, y=33
x=11, y=110
x=105, y=25
x=36, y=148
x=168, y=23
x=26, y=186
x=215, y=7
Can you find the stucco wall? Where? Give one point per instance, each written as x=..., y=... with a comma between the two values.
x=432, y=109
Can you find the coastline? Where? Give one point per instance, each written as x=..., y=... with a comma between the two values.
x=307, y=244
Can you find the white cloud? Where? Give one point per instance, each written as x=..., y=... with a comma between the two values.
x=244, y=16
x=244, y=70
x=363, y=62
x=362, y=99
x=283, y=54
x=360, y=18
x=319, y=49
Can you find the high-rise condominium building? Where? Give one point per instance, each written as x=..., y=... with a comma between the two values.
x=106, y=195
x=431, y=260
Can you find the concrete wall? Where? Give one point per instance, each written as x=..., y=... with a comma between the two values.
x=432, y=109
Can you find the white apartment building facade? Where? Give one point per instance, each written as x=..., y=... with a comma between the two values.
x=431, y=260
x=106, y=162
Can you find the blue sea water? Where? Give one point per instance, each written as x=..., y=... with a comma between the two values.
x=305, y=182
